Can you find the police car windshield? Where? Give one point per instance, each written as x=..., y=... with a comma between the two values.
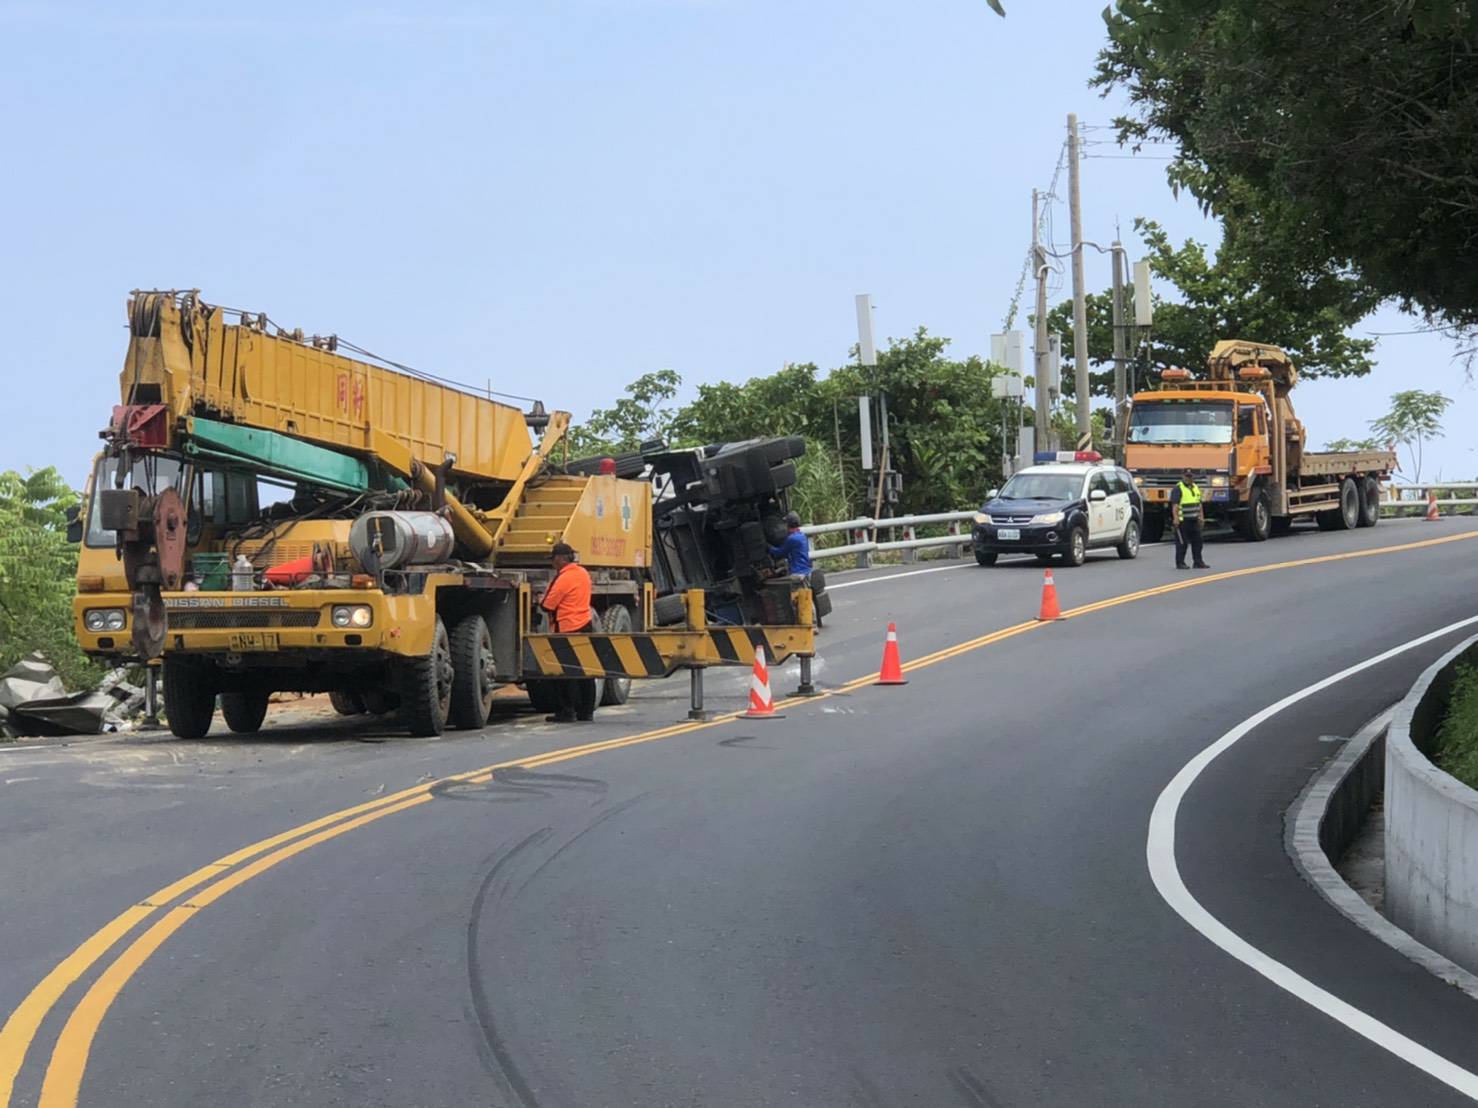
x=1043, y=486
x=1181, y=422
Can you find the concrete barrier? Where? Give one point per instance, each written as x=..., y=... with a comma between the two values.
x=1431, y=823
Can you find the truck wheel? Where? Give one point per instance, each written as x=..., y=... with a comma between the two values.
x=985, y=557
x=1257, y=523
x=347, y=703
x=189, y=698
x=1076, y=551
x=542, y=695
x=1129, y=546
x=473, y=682
x=1369, y=502
x=1153, y=527
x=426, y=687
x=244, y=711
x=616, y=690
x=379, y=702
x=1349, y=505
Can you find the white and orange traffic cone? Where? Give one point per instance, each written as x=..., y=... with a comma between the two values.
x=1432, y=514
x=1049, y=610
x=892, y=671
x=761, y=703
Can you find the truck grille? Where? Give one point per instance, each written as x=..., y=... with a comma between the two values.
x=209, y=621
x=1010, y=519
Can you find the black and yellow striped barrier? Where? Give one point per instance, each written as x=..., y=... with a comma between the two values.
x=659, y=653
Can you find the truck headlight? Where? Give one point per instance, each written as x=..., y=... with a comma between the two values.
x=1048, y=518
x=981, y=517
x=1218, y=482
x=352, y=615
x=104, y=619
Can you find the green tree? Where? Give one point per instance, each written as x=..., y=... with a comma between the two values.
x=1227, y=297
x=1353, y=444
x=643, y=414
x=1330, y=138
x=38, y=569
x=1415, y=417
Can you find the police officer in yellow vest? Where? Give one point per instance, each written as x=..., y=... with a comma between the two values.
x=1185, y=513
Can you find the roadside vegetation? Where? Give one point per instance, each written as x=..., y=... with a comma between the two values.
x=1457, y=738
x=38, y=570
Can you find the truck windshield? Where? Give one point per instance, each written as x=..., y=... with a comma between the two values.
x=1043, y=486
x=1181, y=422
x=165, y=471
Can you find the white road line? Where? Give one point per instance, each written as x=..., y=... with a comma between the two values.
x=1160, y=854
x=894, y=576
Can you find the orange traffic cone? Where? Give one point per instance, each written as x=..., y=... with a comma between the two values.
x=1432, y=514
x=1050, y=610
x=761, y=703
x=892, y=671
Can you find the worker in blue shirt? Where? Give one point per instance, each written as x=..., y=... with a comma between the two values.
x=796, y=549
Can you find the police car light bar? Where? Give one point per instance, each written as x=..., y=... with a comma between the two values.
x=1043, y=457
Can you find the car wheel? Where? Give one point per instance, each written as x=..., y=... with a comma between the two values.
x=1076, y=552
x=986, y=557
x=1129, y=546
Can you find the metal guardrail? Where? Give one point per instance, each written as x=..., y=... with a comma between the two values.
x=864, y=530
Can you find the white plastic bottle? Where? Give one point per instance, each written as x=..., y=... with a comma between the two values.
x=241, y=575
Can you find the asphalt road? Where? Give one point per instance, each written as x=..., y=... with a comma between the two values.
x=929, y=895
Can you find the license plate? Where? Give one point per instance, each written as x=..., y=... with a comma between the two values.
x=1009, y=534
x=254, y=640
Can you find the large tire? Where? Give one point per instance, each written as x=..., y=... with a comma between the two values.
x=1257, y=521
x=347, y=703
x=1369, y=502
x=473, y=679
x=1129, y=545
x=667, y=610
x=189, y=698
x=244, y=711
x=615, y=691
x=543, y=695
x=1075, y=553
x=426, y=687
x=1349, y=504
x=985, y=557
x=1152, y=528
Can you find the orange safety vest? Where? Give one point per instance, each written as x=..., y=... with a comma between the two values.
x=568, y=598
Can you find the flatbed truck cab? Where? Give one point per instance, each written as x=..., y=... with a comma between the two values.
x=1237, y=433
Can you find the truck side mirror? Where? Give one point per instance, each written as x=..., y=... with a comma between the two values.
x=992, y=494
x=74, y=524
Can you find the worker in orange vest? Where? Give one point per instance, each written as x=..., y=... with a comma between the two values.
x=567, y=600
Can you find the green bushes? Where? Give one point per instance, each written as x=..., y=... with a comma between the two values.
x=1457, y=738
x=38, y=569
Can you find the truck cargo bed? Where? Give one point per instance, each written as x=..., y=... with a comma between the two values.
x=1340, y=462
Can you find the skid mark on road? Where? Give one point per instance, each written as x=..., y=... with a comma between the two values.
x=63, y=1078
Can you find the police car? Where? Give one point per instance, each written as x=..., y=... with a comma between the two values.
x=1063, y=507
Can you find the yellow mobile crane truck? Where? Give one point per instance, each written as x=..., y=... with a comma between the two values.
x=1237, y=432
x=270, y=514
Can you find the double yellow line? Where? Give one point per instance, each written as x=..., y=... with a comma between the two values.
x=63, y=1079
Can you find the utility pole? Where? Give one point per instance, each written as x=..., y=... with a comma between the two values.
x=1080, y=307
x=1042, y=433
x=1119, y=353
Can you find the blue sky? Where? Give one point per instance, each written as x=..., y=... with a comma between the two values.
x=558, y=196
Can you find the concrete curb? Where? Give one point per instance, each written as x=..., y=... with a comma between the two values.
x=1344, y=784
